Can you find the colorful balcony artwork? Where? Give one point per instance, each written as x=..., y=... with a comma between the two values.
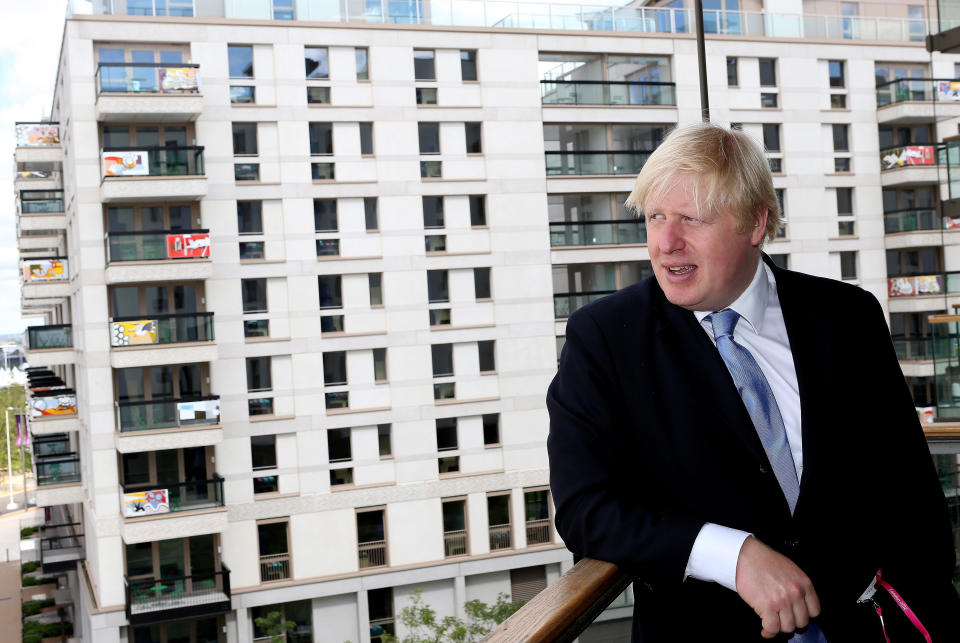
x=163, y=329
x=53, y=405
x=37, y=134
x=914, y=286
x=46, y=269
x=907, y=155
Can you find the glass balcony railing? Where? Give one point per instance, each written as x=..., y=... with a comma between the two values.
x=595, y=233
x=43, y=337
x=945, y=346
x=172, y=160
x=50, y=445
x=41, y=201
x=168, y=413
x=601, y=92
x=57, y=469
x=586, y=163
x=922, y=154
x=911, y=220
x=153, y=600
x=913, y=349
x=140, y=78
x=161, y=329
x=565, y=304
x=918, y=89
x=149, y=499
x=545, y=15
x=158, y=245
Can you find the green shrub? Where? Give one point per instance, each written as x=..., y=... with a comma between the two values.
x=26, y=532
x=29, y=581
x=31, y=608
x=33, y=632
x=27, y=568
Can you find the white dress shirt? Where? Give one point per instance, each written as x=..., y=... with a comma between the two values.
x=761, y=330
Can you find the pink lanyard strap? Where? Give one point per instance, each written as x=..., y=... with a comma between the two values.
x=903, y=606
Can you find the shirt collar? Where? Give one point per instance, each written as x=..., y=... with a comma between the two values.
x=752, y=303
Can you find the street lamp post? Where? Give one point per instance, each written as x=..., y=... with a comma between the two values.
x=12, y=504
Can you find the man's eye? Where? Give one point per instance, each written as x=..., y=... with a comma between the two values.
x=654, y=217
x=692, y=220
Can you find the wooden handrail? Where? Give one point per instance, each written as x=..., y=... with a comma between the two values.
x=564, y=609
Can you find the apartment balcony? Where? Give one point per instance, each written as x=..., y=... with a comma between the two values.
x=40, y=177
x=37, y=143
x=41, y=210
x=372, y=554
x=169, y=423
x=603, y=92
x=50, y=345
x=45, y=278
x=907, y=101
x=39, y=241
x=58, y=479
x=911, y=165
x=132, y=174
x=154, y=511
x=922, y=293
x=565, y=304
x=915, y=355
x=61, y=547
x=170, y=598
x=148, y=92
x=595, y=163
x=597, y=233
x=162, y=339
x=158, y=255
x=53, y=412
x=500, y=537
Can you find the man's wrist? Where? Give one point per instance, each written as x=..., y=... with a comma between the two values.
x=714, y=555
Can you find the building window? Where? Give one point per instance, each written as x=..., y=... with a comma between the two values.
x=246, y=172
x=432, y=212
x=771, y=137
x=481, y=283
x=254, y=295
x=468, y=65
x=780, y=261
x=263, y=451
x=473, y=135
x=442, y=357
x=318, y=95
x=321, y=139
x=429, y=134
x=362, y=57
x=375, y=282
x=244, y=139
x=380, y=613
x=366, y=139
x=491, y=429
x=317, y=63
x=768, y=100
x=848, y=264
x=338, y=445
x=383, y=440
x=249, y=217
x=478, y=210
x=298, y=612
x=844, y=202
x=768, y=72
x=837, y=78
x=841, y=142
x=371, y=538
x=274, y=550
x=322, y=171
x=370, y=219
x=242, y=94
x=454, y=527
x=335, y=368
x=446, y=434
x=437, y=287
x=331, y=294
x=733, y=72
x=838, y=101
x=423, y=64
x=240, y=61
x=486, y=350
x=498, y=519
x=846, y=228
x=324, y=215
x=283, y=9
x=256, y=328
x=426, y=95
x=380, y=365
x=536, y=509
x=258, y=374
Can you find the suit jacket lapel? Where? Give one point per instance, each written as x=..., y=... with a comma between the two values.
x=690, y=350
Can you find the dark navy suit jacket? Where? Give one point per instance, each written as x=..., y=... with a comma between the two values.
x=649, y=440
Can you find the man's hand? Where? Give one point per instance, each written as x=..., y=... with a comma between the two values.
x=777, y=590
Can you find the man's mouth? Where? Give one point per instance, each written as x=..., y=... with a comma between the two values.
x=680, y=270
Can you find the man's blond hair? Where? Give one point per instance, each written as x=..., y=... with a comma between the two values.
x=731, y=171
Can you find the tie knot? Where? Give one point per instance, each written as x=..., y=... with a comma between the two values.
x=724, y=322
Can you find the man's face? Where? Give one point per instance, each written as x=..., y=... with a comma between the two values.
x=700, y=264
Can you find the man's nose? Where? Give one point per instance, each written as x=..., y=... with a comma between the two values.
x=671, y=237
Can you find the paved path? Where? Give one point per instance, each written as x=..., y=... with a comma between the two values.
x=10, y=600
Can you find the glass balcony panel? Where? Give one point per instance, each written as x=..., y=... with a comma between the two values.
x=158, y=245
x=41, y=201
x=168, y=413
x=58, y=469
x=587, y=163
x=151, y=595
x=162, y=329
x=913, y=348
x=171, y=160
x=590, y=233
x=911, y=155
x=911, y=220
x=566, y=304
x=135, y=78
x=146, y=500
x=44, y=337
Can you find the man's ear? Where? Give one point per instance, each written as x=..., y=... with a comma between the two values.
x=759, y=229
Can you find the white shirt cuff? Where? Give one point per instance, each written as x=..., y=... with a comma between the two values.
x=715, y=553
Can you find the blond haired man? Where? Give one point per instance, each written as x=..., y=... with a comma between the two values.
x=740, y=437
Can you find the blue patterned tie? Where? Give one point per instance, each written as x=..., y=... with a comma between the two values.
x=762, y=407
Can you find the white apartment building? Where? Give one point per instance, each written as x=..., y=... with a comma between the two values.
x=306, y=267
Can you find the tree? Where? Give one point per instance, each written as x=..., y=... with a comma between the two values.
x=424, y=626
x=15, y=396
x=274, y=626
